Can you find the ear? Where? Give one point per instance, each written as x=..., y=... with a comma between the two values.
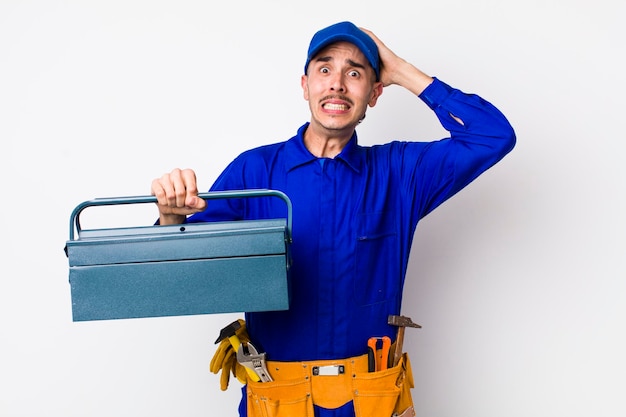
x=305, y=86
x=377, y=91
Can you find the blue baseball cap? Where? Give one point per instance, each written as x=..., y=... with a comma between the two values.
x=348, y=32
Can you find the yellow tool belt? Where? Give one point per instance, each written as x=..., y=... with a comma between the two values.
x=297, y=386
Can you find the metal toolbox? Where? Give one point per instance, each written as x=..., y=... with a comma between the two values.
x=176, y=270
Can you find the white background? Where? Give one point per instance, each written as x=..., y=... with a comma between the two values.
x=519, y=281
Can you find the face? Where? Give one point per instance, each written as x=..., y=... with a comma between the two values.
x=339, y=85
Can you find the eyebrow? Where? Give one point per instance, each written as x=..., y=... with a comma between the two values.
x=349, y=61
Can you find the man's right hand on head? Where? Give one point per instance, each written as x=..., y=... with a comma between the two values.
x=177, y=196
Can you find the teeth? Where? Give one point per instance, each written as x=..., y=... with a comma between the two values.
x=331, y=106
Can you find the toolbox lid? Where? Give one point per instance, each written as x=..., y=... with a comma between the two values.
x=178, y=242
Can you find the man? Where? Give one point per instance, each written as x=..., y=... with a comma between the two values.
x=355, y=210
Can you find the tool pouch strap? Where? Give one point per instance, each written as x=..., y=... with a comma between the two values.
x=297, y=387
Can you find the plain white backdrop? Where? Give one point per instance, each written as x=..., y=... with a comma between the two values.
x=519, y=281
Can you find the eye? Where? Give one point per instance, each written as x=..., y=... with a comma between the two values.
x=353, y=73
x=324, y=70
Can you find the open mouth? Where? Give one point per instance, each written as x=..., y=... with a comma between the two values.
x=335, y=106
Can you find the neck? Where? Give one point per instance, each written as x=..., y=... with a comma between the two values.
x=324, y=145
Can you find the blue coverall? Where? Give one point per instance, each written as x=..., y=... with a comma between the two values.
x=354, y=218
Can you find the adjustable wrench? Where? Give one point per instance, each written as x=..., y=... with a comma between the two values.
x=248, y=356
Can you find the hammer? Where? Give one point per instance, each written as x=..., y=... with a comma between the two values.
x=402, y=323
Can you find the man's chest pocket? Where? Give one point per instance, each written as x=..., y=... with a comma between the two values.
x=377, y=258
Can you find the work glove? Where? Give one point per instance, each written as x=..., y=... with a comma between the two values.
x=225, y=359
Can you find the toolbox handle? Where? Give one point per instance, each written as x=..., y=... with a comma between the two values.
x=75, y=221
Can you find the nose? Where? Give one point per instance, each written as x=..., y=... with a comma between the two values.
x=337, y=83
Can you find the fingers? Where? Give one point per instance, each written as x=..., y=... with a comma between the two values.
x=171, y=189
x=398, y=71
x=177, y=193
x=382, y=48
x=228, y=365
x=371, y=35
x=218, y=358
x=186, y=188
x=387, y=57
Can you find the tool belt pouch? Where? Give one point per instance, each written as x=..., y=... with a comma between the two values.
x=374, y=394
x=384, y=393
x=280, y=398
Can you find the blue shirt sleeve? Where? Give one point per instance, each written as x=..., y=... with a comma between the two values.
x=439, y=169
